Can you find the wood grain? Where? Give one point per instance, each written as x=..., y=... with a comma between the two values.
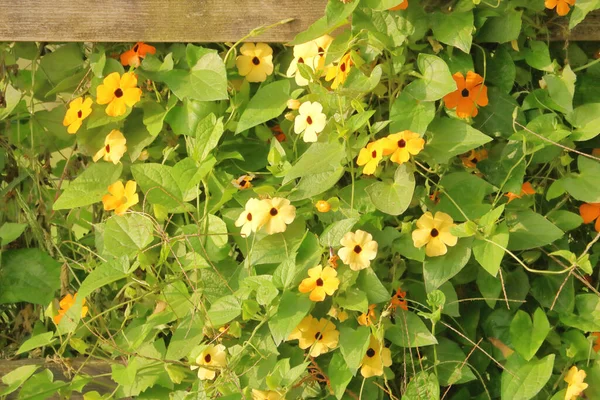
x=153, y=20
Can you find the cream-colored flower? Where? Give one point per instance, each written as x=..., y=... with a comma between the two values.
x=278, y=215
x=266, y=395
x=114, y=147
x=253, y=216
x=376, y=357
x=320, y=336
x=311, y=54
x=310, y=120
x=320, y=283
x=255, y=61
x=213, y=357
x=358, y=251
x=435, y=233
x=575, y=378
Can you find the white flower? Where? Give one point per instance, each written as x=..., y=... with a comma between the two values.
x=358, y=251
x=311, y=120
x=253, y=216
x=311, y=54
x=279, y=213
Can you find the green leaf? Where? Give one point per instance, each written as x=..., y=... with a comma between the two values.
x=437, y=270
x=585, y=119
x=339, y=375
x=451, y=137
x=224, y=310
x=332, y=235
x=268, y=103
x=409, y=331
x=89, y=187
x=205, y=81
x=28, y=275
x=353, y=345
x=12, y=97
x=293, y=307
x=355, y=300
x=318, y=158
x=529, y=230
x=127, y=234
x=43, y=339
x=581, y=9
x=522, y=380
x=315, y=184
x=436, y=80
x=154, y=115
x=15, y=379
x=103, y=275
x=393, y=197
x=189, y=333
x=10, y=231
x=467, y=192
x=208, y=133
x=565, y=220
x=583, y=186
x=369, y=283
x=561, y=89
x=454, y=29
x=487, y=254
x=451, y=369
x=158, y=184
x=527, y=336
x=422, y=386
x=538, y=56
x=335, y=16
x=501, y=29
x=407, y=113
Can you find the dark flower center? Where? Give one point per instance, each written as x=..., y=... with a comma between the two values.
x=357, y=249
x=273, y=211
x=249, y=217
x=255, y=61
x=301, y=60
x=465, y=93
x=118, y=93
x=374, y=154
x=309, y=120
x=135, y=48
x=207, y=358
x=434, y=232
x=321, y=50
x=474, y=160
x=318, y=336
x=107, y=148
x=370, y=352
x=402, y=143
x=79, y=114
x=319, y=282
x=343, y=67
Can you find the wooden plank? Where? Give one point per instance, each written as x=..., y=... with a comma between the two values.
x=153, y=20
x=588, y=30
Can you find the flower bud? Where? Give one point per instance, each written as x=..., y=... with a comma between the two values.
x=323, y=206
x=293, y=104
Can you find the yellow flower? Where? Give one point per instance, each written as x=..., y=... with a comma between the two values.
x=256, y=61
x=213, y=357
x=119, y=92
x=340, y=72
x=471, y=158
x=320, y=282
x=311, y=54
x=368, y=318
x=338, y=314
x=114, y=147
x=79, y=109
x=576, y=386
x=376, y=357
x=358, y=251
x=252, y=217
x=266, y=395
x=435, y=233
x=144, y=155
x=310, y=120
x=293, y=104
x=120, y=197
x=279, y=213
x=402, y=145
x=323, y=206
x=318, y=335
x=371, y=156
x=243, y=182
x=65, y=304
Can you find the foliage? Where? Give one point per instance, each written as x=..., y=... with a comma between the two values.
x=407, y=210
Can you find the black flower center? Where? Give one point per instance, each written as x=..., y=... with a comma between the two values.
x=107, y=148
x=301, y=60
x=465, y=93
x=255, y=61
x=343, y=67
x=207, y=358
x=309, y=120
x=79, y=114
x=434, y=232
x=474, y=160
x=318, y=336
x=402, y=143
x=374, y=154
x=321, y=50
x=319, y=282
x=273, y=211
x=370, y=352
x=118, y=93
x=357, y=249
x=135, y=48
x=249, y=217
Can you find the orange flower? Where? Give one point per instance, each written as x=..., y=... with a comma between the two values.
x=132, y=57
x=590, y=212
x=596, y=152
x=243, y=182
x=401, y=6
x=597, y=341
x=65, y=304
x=278, y=133
x=526, y=189
x=398, y=300
x=435, y=197
x=471, y=159
x=368, y=318
x=470, y=94
x=323, y=206
x=562, y=6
